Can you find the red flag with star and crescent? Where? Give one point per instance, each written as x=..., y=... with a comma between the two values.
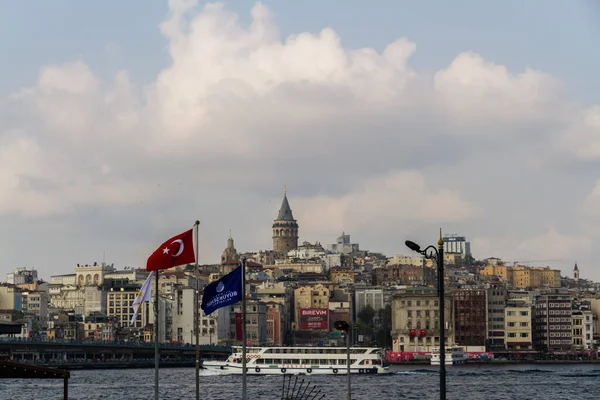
x=176, y=251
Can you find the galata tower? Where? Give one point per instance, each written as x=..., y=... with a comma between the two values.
x=285, y=228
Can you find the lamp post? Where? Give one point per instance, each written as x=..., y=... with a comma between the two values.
x=345, y=327
x=432, y=253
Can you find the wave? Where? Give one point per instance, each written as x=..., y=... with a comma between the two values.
x=417, y=372
x=206, y=372
x=588, y=374
x=529, y=371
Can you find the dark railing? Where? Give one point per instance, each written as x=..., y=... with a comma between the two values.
x=115, y=344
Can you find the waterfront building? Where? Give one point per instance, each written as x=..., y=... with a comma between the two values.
x=470, y=316
x=553, y=326
x=518, y=325
x=496, y=303
x=256, y=322
x=415, y=320
x=183, y=301
x=583, y=331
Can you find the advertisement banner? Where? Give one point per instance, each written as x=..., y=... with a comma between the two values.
x=314, y=318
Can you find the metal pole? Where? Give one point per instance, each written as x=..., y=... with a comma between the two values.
x=156, y=354
x=440, y=266
x=348, y=387
x=244, y=339
x=197, y=317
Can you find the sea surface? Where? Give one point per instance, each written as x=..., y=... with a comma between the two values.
x=407, y=382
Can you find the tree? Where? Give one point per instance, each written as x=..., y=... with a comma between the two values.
x=384, y=334
x=366, y=315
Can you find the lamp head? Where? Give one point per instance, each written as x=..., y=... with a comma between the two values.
x=412, y=245
x=341, y=326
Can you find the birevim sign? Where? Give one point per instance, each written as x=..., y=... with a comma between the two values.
x=314, y=318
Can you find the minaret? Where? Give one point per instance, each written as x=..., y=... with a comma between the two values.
x=285, y=228
x=576, y=273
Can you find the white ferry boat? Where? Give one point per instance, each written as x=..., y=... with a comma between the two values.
x=301, y=360
x=455, y=355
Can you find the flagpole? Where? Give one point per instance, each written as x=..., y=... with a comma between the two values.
x=244, y=335
x=156, y=354
x=197, y=315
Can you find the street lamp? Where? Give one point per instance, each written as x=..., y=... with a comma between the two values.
x=345, y=327
x=432, y=253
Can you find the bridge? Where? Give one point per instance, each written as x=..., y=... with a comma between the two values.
x=73, y=352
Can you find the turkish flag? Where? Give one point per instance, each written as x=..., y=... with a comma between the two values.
x=176, y=251
x=423, y=333
x=413, y=332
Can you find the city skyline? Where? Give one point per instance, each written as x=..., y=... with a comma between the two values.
x=477, y=119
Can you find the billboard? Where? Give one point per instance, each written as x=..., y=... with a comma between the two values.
x=314, y=318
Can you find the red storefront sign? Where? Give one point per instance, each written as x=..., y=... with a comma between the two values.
x=314, y=318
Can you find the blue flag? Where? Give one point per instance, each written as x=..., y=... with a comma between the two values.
x=224, y=292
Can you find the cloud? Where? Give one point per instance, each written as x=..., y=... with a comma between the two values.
x=395, y=198
x=365, y=142
x=474, y=89
x=582, y=138
x=591, y=203
x=553, y=245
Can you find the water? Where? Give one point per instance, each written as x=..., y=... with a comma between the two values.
x=490, y=382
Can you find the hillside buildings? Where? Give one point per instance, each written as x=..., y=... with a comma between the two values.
x=298, y=290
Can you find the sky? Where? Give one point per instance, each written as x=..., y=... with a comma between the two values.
x=121, y=123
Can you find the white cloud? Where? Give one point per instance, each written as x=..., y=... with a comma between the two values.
x=553, y=245
x=582, y=137
x=399, y=197
x=361, y=138
x=474, y=89
x=591, y=203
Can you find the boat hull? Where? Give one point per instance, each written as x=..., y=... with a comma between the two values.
x=227, y=368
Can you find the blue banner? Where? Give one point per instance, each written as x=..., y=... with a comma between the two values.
x=224, y=292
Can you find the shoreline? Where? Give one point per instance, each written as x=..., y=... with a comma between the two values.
x=502, y=362
x=115, y=365
x=192, y=364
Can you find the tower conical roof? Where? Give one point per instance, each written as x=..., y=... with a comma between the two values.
x=285, y=212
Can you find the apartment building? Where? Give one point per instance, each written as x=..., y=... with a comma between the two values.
x=496, y=303
x=553, y=324
x=518, y=326
x=470, y=316
x=582, y=329
x=415, y=319
x=307, y=297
